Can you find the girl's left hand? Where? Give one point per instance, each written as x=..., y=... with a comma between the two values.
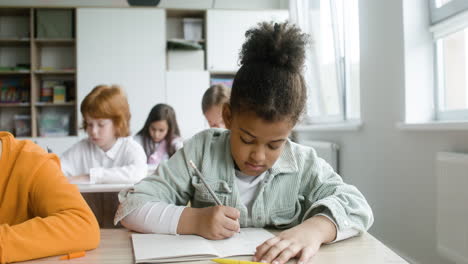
x=79, y=179
x=301, y=241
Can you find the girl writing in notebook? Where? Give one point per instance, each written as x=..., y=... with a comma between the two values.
x=108, y=155
x=160, y=136
x=212, y=104
x=261, y=178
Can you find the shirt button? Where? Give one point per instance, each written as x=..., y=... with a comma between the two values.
x=346, y=223
x=259, y=218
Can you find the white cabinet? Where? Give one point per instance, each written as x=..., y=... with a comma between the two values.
x=184, y=93
x=225, y=32
x=127, y=47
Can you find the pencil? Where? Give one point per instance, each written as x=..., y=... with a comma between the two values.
x=73, y=255
x=218, y=202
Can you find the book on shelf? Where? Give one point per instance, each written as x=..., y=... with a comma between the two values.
x=156, y=248
x=20, y=67
x=46, y=69
x=70, y=90
x=54, y=122
x=59, y=93
x=14, y=90
x=56, y=91
x=47, y=90
x=22, y=125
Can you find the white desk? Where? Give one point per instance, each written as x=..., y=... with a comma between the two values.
x=106, y=188
x=116, y=248
x=102, y=188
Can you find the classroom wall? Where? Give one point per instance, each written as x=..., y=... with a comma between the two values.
x=393, y=168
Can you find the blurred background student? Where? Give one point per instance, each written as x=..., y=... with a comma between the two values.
x=108, y=155
x=160, y=136
x=212, y=104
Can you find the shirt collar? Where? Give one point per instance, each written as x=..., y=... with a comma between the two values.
x=286, y=162
x=112, y=152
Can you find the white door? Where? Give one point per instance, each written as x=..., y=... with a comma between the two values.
x=226, y=33
x=127, y=47
x=184, y=93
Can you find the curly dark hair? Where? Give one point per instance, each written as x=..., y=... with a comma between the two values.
x=270, y=81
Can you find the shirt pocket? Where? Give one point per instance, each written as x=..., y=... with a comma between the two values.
x=203, y=198
x=286, y=217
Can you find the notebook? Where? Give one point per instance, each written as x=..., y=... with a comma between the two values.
x=156, y=248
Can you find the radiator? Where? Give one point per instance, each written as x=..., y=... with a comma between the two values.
x=452, y=206
x=326, y=150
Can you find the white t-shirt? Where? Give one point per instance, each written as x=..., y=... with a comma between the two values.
x=125, y=162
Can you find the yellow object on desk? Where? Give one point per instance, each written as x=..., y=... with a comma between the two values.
x=234, y=261
x=73, y=255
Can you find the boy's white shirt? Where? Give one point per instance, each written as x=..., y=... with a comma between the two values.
x=163, y=218
x=124, y=162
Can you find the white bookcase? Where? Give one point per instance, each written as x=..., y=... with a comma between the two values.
x=125, y=46
x=184, y=92
x=128, y=46
x=225, y=33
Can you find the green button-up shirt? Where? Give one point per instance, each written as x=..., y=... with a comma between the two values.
x=298, y=186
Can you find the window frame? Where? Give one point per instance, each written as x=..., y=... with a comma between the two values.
x=447, y=10
x=450, y=18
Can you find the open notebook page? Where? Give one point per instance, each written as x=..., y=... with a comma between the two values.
x=158, y=248
x=241, y=244
x=168, y=248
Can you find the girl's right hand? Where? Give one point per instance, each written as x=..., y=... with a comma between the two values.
x=216, y=222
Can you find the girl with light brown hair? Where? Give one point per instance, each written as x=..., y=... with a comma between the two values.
x=213, y=101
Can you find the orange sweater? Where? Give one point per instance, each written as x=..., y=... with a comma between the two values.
x=41, y=214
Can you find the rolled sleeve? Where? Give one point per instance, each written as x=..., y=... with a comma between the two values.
x=341, y=202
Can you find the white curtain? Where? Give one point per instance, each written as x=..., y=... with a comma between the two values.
x=300, y=13
x=324, y=72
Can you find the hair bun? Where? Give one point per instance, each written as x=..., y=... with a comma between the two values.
x=278, y=44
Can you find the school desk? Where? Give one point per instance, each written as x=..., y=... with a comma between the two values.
x=102, y=188
x=103, y=201
x=116, y=248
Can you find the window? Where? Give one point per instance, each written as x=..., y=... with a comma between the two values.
x=452, y=96
x=332, y=65
x=450, y=34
